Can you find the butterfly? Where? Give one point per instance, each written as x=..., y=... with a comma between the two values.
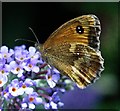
x=73, y=49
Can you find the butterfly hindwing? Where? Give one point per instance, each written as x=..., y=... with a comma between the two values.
x=79, y=62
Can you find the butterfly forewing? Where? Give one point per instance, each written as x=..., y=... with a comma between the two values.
x=68, y=32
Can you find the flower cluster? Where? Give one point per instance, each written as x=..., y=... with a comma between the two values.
x=26, y=81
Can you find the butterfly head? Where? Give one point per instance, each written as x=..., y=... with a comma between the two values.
x=39, y=47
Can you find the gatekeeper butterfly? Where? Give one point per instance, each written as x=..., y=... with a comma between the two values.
x=73, y=49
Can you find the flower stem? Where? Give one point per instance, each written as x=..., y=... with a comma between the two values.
x=45, y=96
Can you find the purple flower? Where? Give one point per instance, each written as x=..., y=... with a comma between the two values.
x=55, y=103
x=50, y=105
x=5, y=93
x=31, y=100
x=31, y=66
x=52, y=77
x=3, y=80
x=14, y=88
x=22, y=47
x=17, y=68
x=4, y=69
x=29, y=79
x=55, y=97
x=6, y=54
x=25, y=86
x=33, y=54
x=21, y=54
x=2, y=60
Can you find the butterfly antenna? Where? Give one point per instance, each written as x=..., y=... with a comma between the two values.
x=34, y=35
x=24, y=40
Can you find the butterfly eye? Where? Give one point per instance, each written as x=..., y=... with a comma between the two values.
x=79, y=29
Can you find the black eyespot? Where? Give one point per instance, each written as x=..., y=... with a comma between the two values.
x=79, y=29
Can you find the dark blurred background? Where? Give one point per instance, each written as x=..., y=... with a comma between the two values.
x=44, y=18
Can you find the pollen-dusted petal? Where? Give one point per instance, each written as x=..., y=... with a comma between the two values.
x=1, y=82
x=24, y=86
x=15, y=71
x=30, y=65
x=13, y=90
x=5, y=55
x=2, y=71
x=31, y=99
